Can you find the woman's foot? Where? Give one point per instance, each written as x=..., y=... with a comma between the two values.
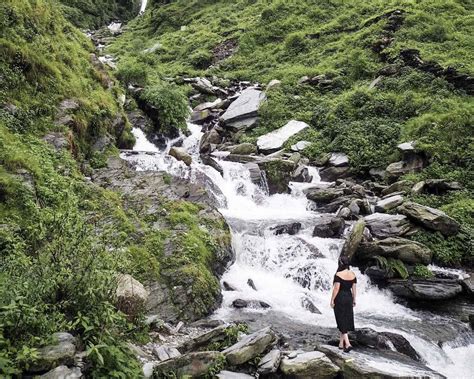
x=341, y=347
x=348, y=349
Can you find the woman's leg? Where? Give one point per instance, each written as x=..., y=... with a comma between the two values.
x=341, y=341
x=346, y=340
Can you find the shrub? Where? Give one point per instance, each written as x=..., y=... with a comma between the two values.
x=422, y=271
x=131, y=71
x=296, y=43
x=171, y=105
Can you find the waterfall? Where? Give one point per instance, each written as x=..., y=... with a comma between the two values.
x=286, y=269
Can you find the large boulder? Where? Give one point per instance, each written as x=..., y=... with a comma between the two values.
x=328, y=226
x=210, y=138
x=332, y=173
x=353, y=239
x=243, y=149
x=369, y=363
x=290, y=229
x=436, y=186
x=191, y=364
x=430, y=218
x=323, y=195
x=338, y=160
x=384, y=205
x=181, y=155
x=59, y=354
x=398, y=187
x=278, y=173
x=385, y=341
x=250, y=346
x=242, y=125
x=382, y=225
x=275, y=140
x=131, y=295
x=398, y=248
x=425, y=289
x=312, y=364
x=246, y=105
x=217, y=334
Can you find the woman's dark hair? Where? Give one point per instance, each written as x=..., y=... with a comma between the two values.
x=343, y=263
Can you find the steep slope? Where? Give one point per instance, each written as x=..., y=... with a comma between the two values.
x=366, y=75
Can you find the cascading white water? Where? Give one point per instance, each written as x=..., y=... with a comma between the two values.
x=289, y=268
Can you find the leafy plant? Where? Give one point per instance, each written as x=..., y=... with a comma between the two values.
x=392, y=266
x=422, y=271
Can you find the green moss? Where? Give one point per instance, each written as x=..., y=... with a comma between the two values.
x=422, y=272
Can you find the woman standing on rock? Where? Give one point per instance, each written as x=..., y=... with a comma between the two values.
x=343, y=299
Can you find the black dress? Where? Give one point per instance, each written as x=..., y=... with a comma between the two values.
x=343, y=305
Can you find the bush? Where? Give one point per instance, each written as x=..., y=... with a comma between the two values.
x=133, y=72
x=422, y=272
x=296, y=43
x=171, y=105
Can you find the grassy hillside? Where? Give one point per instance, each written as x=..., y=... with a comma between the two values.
x=349, y=43
x=90, y=14
x=63, y=239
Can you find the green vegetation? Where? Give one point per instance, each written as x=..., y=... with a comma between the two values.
x=392, y=266
x=422, y=272
x=97, y=13
x=339, y=42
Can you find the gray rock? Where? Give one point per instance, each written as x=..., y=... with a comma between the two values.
x=233, y=375
x=389, y=203
x=191, y=364
x=328, y=226
x=214, y=163
x=309, y=305
x=212, y=137
x=397, y=169
x=275, y=83
x=339, y=160
x=436, y=186
x=246, y=105
x=63, y=372
x=383, y=225
x=181, y=155
x=240, y=303
x=165, y=352
x=301, y=174
x=200, y=117
x=131, y=295
x=250, y=346
x=323, y=195
x=243, y=149
x=313, y=364
x=331, y=174
x=290, y=229
x=344, y=213
x=242, y=125
x=430, y=218
x=425, y=289
x=300, y=146
x=401, y=186
x=59, y=354
x=251, y=284
x=270, y=362
x=216, y=104
x=275, y=140
x=278, y=173
x=407, y=146
x=366, y=363
x=353, y=239
x=228, y=287
x=468, y=285
x=399, y=248
x=256, y=175
x=203, y=85
x=57, y=140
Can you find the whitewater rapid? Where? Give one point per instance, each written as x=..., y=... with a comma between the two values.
x=286, y=269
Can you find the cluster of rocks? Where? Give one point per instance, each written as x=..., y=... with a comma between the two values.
x=204, y=347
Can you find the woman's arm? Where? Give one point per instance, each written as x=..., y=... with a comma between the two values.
x=335, y=291
x=354, y=293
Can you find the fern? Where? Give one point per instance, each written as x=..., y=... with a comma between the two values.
x=392, y=266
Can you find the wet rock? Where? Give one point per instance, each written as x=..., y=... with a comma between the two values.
x=275, y=140
x=301, y=175
x=435, y=186
x=131, y=295
x=63, y=372
x=240, y=303
x=243, y=149
x=181, y=155
x=339, y=160
x=241, y=158
x=430, y=218
x=204, y=86
x=270, y=362
x=383, y=225
x=366, y=363
x=300, y=146
x=309, y=305
x=59, y=354
x=331, y=174
x=385, y=341
x=468, y=285
x=256, y=175
x=102, y=143
x=278, y=173
x=397, y=169
x=313, y=364
x=344, y=213
x=246, y=106
x=251, y=284
x=209, y=105
x=389, y=203
x=377, y=173
x=398, y=248
x=191, y=364
x=425, y=289
x=250, y=346
x=165, y=352
x=378, y=274
x=228, y=287
x=233, y=375
x=208, y=139
x=290, y=229
x=353, y=239
x=200, y=117
x=323, y=195
x=328, y=226
x=214, y=163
